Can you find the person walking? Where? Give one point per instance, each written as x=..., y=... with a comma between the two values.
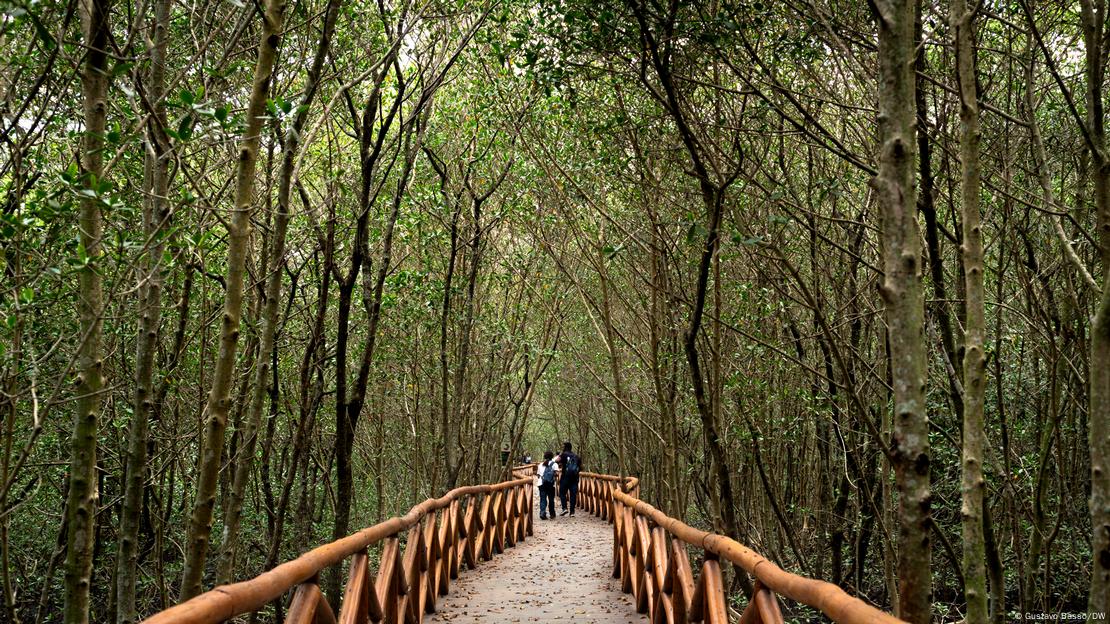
x=571, y=465
x=547, y=475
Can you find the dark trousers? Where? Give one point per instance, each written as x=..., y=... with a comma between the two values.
x=568, y=490
x=547, y=500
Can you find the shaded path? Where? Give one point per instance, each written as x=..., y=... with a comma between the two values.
x=563, y=573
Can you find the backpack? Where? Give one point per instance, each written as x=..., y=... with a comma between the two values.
x=571, y=467
x=548, y=476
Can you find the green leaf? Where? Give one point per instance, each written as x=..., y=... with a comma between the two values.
x=185, y=128
x=44, y=35
x=121, y=68
x=187, y=97
x=696, y=231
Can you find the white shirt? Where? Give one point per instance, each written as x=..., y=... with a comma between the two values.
x=541, y=470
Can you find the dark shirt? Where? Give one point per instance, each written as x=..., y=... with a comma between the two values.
x=561, y=459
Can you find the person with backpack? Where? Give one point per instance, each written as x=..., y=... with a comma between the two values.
x=568, y=483
x=547, y=475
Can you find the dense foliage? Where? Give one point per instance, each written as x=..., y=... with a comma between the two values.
x=274, y=271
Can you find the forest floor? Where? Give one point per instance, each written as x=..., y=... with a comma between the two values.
x=562, y=573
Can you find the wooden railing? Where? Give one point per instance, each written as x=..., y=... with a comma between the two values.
x=524, y=470
x=466, y=526
x=650, y=559
x=472, y=524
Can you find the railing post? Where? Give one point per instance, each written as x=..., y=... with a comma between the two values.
x=512, y=516
x=610, y=487
x=472, y=544
x=493, y=527
x=432, y=560
x=596, y=488
x=640, y=589
x=531, y=509
x=308, y=605
x=628, y=568
x=411, y=564
x=616, y=550
x=483, y=535
x=391, y=582
x=681, y=580
x=587, y=495
x=766, y=605
x=716, y=606
x=360, y=600
x=446, y=539
x=659, y=563
x=523, y=512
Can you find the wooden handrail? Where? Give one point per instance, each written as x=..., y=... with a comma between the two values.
x=656, y=570
x=472, y=524
x=524, y=470
x=406, y=585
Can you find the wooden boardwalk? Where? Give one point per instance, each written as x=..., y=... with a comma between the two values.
x=562, y=573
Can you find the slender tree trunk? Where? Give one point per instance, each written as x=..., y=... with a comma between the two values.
x=82, y=498
x=927, y=206
x=454, y=432
x=273, y=268
x=372, y=300
x=11, y=412
x=1093, y=16
x=13, y=264
x=974, y=434
x=712, y=191
x=219, y=399
x=902, y=293
x=156, y=215
x=994, y=565
x=371, y=138
x=714, y=202
x=615, y=368
x=311, y=392
x=1041, y=167
x=449, y=448
x=1098, y=436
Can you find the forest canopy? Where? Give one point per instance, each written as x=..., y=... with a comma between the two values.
x=830, y=277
